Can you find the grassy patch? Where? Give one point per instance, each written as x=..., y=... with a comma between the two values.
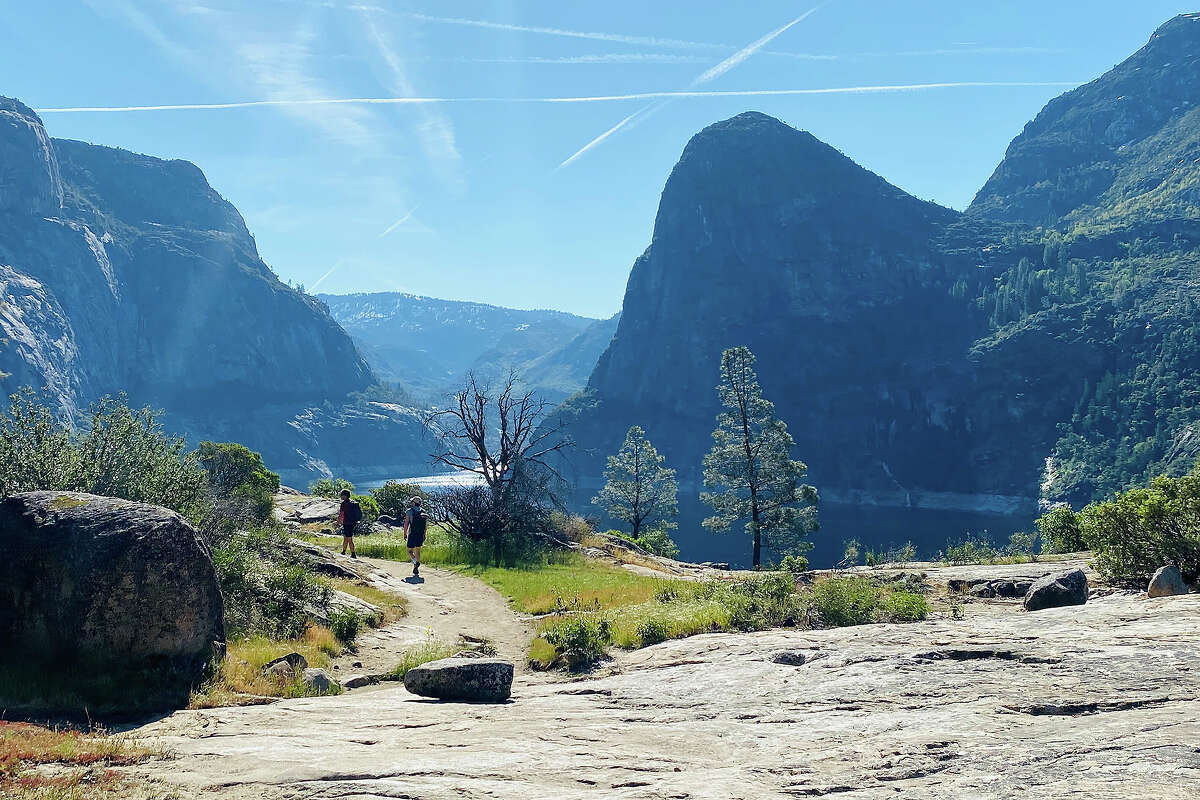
x=394, y=606
x=679, y=609
x=418, y=655
x=577, y=586
x=240, y=679
x=80, y=763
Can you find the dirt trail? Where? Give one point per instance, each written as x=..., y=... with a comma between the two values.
x=443, y=605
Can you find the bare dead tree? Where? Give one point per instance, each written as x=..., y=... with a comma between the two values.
x=498, y=432
x=488, y=430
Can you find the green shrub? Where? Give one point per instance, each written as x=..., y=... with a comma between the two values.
x=329, y=487
x=345, y=624
x=1060, y=531
x=580, y=639
x=655, y=540
x=892, y=555
x=1022, y=544
x=392, y=498
x=237, y=475
x=903, y=606
x=651, y=631
x=370, y=509
x=119, y=452
x=265, y=585
x=840, y=602
x=1141, y=530
x=974, y=549
x=793, y=564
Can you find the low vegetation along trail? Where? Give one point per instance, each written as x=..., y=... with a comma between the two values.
x=444, y=606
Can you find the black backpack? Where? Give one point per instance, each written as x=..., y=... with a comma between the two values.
x=417, y=525
x=353, y=513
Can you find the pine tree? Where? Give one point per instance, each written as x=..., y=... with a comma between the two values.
x=750, y=468
x=638, y=489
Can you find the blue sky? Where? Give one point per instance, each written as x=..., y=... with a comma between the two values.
x=488, y=193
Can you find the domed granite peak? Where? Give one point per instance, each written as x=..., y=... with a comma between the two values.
x=753, y=165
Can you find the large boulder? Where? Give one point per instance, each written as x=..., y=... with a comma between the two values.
x=1056, y=590
x=486, y=679
x=1167, y=582
x=97, y=588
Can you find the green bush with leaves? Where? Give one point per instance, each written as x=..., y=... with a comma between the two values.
x=903, y=606
x=329, y=487
x=1060, y=531
x=237, y=475
x=580, y=639
x=345, y=624
x=119, y=452
x=370, y=509
x=1139, y=531
x=392, y=498
x=266, y=585
x=656, y=540
x=793, y=564
x=972, y=549
x=841, y=602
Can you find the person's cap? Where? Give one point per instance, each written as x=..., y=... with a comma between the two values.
x=414, y=501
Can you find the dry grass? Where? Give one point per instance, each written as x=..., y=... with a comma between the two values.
x=394, y=606
x=241, y=682
x=39, y=763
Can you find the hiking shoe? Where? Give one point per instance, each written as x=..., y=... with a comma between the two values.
x=416, y=570
x=352, y=555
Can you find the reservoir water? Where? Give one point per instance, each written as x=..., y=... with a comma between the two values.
x=876, y=528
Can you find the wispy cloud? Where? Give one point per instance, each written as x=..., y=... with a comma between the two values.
x=603, y=98
x=707, y=76
x=435, y=131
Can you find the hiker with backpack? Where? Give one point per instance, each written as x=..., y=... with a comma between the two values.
x=414, y=533
x=349, y=515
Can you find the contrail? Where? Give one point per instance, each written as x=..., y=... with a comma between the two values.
x=601, y=138
x=705, y=77
x=337, y=264
x=749, y=50
x=599, y=98
x=651, y=41
x=400, y=221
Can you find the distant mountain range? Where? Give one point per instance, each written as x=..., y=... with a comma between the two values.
x=426, y=346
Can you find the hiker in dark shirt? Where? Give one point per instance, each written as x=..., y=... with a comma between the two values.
x=349, y=515
x=414, y=533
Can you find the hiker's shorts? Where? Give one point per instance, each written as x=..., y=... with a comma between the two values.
x=416, y=539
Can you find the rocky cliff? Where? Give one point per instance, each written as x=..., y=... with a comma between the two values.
x=125, y=273
x=839, y=282
x=922, y=357
x=1125, y=144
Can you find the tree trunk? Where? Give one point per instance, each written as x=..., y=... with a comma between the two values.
x=498, y=546
x=757, y=535
x=637, y=526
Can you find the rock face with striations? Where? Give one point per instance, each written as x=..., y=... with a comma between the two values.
x=122, y=272
x=1127, y=141
x=840, y=284
x=92, y=586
